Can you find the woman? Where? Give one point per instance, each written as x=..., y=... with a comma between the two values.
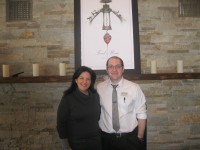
x=78, y=113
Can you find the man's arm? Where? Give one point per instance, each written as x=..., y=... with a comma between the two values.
x=141, y=128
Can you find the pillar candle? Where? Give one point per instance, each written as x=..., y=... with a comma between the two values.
x=62, y=69
x=179, y=66
x=6, y=70
x=36, y=70
x=153, y=66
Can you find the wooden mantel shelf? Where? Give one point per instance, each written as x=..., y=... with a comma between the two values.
x=163, y=76
x=46, y=79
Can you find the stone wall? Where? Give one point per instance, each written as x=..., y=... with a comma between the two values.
x=173, y=114
x=28, y=110
x=166, y=37
x=48, y=39
x=28, y=115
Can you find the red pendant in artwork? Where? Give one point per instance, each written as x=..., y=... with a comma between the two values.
x=107, y=37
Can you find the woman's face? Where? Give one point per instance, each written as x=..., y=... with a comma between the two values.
x=83, y=82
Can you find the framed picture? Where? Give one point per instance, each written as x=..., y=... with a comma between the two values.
x=105, y=28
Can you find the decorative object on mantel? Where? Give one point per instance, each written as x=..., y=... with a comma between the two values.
x=179, y=66
x=36, y=70
x=6, y=70
x=153, y=66
x=62, y=69
x=17, y=74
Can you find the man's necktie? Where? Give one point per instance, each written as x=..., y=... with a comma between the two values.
x=115, y=113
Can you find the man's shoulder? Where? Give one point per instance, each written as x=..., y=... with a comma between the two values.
x=130, y=83
x=100, y=84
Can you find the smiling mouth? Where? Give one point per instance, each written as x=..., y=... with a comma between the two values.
x=84, y=85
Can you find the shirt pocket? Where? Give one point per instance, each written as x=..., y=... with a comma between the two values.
x=126, y=104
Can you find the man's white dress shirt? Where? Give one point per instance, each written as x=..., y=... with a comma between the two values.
x=131, y=105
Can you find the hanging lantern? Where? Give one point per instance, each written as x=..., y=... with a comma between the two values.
x=106, y=17
x=106, y=10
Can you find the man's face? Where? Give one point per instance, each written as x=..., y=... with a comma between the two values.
x=115, y=70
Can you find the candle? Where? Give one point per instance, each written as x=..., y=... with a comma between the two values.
x=62, y=69
x=6, y=70
x=36, y=70
x=153, y=66
x=179, y=66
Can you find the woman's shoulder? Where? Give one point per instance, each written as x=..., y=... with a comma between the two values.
x=66, y=97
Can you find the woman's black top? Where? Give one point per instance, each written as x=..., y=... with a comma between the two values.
x=78, y=115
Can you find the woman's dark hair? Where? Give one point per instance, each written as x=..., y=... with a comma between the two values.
x=77, y=73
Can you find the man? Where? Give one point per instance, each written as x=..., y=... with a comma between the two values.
x=127, y=131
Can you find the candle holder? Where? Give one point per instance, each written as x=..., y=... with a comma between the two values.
x=62, y=69
x=36, y=70
x=153, y=67
x=179, y=66
x=6, y=70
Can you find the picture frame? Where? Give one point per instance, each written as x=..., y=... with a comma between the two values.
x=105, y=28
